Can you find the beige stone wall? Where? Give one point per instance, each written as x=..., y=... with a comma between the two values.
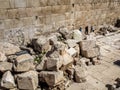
x=29, y=16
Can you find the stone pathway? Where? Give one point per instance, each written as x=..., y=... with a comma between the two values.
x=108, y=70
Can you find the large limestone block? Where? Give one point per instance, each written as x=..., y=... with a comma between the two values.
x=28, y=80
x=5, y=66
x=20, y=3
x=41, y=44
x=80, y=74
x=8, y=48
x=90, y=53
x=2, y=57
x=23, y=63
x=51, y=78
x=54, y=64
x=87, y=44
x=8, y=81
x=54, y=61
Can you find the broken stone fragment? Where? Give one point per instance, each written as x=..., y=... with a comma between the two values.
x=23, y=63
x=8, y=48
x=66, y=34
x=41, y=44
x=5, y=66
x=27, y=80
x=77, y=35
x=80, y=74
x=7, y=80
x=51, y=78
x=72, y=52
x=2, y=57
x=71, y=43
x=67, y=59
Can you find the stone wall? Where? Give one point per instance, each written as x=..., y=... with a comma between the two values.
x=24, y=18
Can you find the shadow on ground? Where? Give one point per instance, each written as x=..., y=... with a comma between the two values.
x=117, y=62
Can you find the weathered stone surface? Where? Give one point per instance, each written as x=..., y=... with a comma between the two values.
x=67, y=59
x=72, y=52
x=51, y=78
x=87, y=44
x=23, y=63
x=90, y=53
x=71, y=43
x=8, y=80
x=2, y=57
x=77, y=35
x=66, y=34
x=8, y=48
x=5, y=66
x=41, y=44
x=80, y=74
x=28, y=80
x=54, y=61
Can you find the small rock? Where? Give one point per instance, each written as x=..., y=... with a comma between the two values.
x=28, y=80
x=51, y=78
x=24, y=63
x=80, y=74
x=2, y=57
x=5, y=66
x=8, y=80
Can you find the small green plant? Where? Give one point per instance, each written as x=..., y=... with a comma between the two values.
x=39, y=57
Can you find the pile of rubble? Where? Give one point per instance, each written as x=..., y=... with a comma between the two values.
x=53, y=61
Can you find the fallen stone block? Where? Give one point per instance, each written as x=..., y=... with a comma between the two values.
x=71, y=43
x=66, y=34
x=41, y=44
x=23, y=63
x=27, y=81
x=72, y=52
x=67, y=59
x=8, y=81
x=53, y=64
x=2, y=57
x=80, y=74
x=90, y=53
x=87, y=44
x=51, y=78
x=77, y=35
x=8, y=48
x=5, y=66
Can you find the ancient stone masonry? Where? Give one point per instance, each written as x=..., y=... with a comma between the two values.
x=33, y=17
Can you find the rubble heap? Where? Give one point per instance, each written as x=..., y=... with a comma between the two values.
x=53, y=61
